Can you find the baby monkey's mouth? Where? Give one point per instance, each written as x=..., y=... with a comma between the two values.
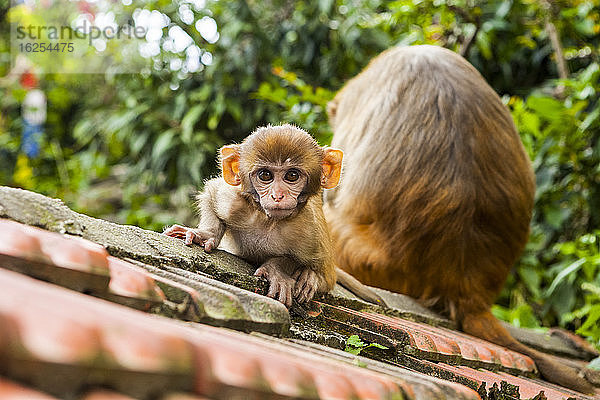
x=279, y=212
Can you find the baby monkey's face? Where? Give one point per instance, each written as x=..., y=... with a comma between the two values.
x=278, y=188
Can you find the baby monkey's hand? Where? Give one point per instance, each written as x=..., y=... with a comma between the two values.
x=280, y=283
x=206, y=239
x=307, y=284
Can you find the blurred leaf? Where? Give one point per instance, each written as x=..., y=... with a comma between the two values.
x=551, y=109
x=573, y=267
x=163, y=144
x=188, y=122
x=532, y=279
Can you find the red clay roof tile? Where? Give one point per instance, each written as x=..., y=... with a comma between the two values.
x=74, y=263
x=429, y=341
x=129, y=281
x=10, y=390
x=528, y=388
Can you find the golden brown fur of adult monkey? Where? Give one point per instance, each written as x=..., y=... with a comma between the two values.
x=267, y=208
x=438, y=191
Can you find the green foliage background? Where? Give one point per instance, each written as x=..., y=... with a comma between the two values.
x=133, y=148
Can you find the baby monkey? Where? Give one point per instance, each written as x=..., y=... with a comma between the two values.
x=267, y=208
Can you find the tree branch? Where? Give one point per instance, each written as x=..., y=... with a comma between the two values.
x=561, y=63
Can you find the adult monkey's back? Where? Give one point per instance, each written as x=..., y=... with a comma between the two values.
x=437, y=191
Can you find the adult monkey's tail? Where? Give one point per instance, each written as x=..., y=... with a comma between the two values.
x=486, y=326
x=357, y=288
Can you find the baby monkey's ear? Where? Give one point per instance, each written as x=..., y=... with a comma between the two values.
x=230, y=164
x=331, y=168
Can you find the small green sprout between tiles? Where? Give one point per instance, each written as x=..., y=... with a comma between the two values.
x=354, y=345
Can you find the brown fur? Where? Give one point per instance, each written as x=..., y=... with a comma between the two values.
x=437, y=193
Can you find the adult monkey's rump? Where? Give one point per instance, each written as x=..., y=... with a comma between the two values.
x=437, y=191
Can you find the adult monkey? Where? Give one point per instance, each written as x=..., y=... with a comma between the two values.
x=438, y=191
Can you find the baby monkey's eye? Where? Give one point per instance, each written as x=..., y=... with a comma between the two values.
x=292, y=175
x=265, y=175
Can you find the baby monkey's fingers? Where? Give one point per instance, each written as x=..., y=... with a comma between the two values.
x=306, y=286
x=209, y=244
x=280, y=287
x=176, y=231
x=202, y=238
x=285, y=295
x=190, y=236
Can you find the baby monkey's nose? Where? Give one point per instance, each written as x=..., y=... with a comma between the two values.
x=277, y=196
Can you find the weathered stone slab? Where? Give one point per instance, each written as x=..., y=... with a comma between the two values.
x=226, y=305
